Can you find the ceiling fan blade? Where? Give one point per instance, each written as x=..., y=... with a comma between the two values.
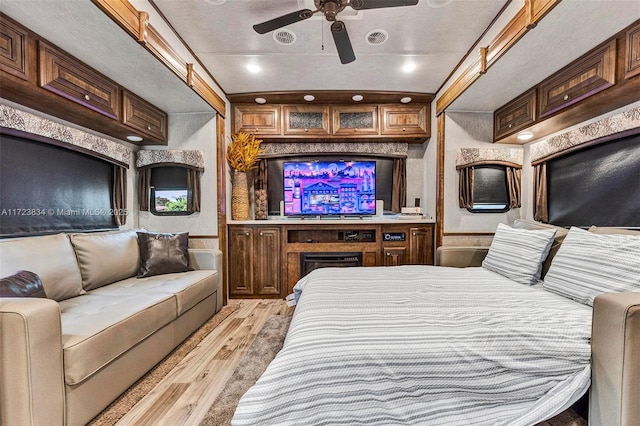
x=343, y=44
x=379, y=4
x=283, y=21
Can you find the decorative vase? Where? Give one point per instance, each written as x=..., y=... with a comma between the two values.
x=239, y=196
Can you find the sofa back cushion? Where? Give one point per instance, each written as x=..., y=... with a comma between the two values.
x=106, y=257
x=51, y=257
x=561, y=233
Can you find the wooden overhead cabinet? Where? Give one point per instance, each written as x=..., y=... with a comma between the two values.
x=306, y=120
x=518, y=114
x=13, y=51
x=585, y=77
x=257, y=119
x=71, y=79
x=355, y=121
x=143, y=117
x=404, y=120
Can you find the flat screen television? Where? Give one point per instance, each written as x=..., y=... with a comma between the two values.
x=319, y=188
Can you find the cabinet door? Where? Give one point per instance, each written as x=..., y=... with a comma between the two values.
x=421, y=246
x=13, y=53
x=518, y=114
x=71, y=79
x=240, y=261
x=355, y=120
x=257, y=119
x=404, y=120
x=267, y=260
x=583, y=78
x=143, y=117
x=306, y=120
x=394, y=256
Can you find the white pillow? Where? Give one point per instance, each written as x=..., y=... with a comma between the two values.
x=518, y=253
x=589, y=264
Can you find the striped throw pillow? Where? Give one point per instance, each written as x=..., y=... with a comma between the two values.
x=589, y=264
x=518, y=253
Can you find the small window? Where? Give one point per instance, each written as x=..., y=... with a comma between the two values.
x=169, y=193
x=490, y=191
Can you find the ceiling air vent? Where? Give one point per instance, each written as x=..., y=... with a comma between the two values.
x=376, y=37
x=284, y=36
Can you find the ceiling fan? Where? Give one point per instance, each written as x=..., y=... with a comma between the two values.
x=330, y=10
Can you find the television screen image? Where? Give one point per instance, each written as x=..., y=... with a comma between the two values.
x=329, y=188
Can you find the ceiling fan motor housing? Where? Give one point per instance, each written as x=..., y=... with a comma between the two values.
x=330, y=8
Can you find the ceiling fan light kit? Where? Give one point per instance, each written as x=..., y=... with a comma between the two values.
x=330, y=9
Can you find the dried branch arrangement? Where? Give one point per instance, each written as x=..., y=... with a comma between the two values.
x=243, y=151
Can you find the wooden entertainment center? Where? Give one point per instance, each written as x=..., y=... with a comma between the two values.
x=265, y=256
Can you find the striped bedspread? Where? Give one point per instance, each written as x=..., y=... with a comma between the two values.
x=423, y=345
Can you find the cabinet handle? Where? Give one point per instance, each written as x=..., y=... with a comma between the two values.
x=246, y=233
x=256, y=130
x=87, y=97
x=306, y=130
x=261, y=233
x=355, y=130
x=388, y=254
x=404, y=130
x=148, y=127
x=510, y=125
x=566, y=97
x=414, y=234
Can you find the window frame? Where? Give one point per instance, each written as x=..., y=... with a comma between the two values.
x=478, y=207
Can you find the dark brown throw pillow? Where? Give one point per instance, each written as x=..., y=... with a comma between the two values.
x=163, y=253
x=22, y=284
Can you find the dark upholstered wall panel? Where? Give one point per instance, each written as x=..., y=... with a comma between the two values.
x=46, y=189
x=598, y=186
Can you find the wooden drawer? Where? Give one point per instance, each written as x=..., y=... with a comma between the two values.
x=13, y=49
x=518, y=114
x=404, y=120
x=71, y=79
x=589, y=75
x=355, y=120
x=306, y=120
x=257, y=119
x=143, y=117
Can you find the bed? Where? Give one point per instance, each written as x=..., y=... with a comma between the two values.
x=423, y=345
x=436, y=345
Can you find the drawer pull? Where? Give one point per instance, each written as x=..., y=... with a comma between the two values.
x=87, y=97
x=511, y=125
x=306, y=130
x=404, y=129
x=355, y=130
x=566, y=97
x=148, y=127
x=261, y=233
x=246, y=233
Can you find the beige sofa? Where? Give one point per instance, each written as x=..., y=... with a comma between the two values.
x=65, y=358
x=615, y=336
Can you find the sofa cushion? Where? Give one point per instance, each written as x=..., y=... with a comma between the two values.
x=96, y=329
x=106, y=257
x=22, y=284
x=189, y=288
x=163, y=253
x=49, y=256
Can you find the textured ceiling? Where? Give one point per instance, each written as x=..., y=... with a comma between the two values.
x=220, y=33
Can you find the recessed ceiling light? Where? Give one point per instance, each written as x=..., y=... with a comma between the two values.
x=409, y=67
x=253, y=68
x=438, y=3
x=309, y=98
x=357, y=98
x=216, y=2
x=405, y=100
x=261, y=100
x=525, y=136
x=134, y=138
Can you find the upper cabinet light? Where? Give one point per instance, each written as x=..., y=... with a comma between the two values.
x=357, y=98
x=253, y=68
x=405, y=100
x=134, y=138
x=260, y=100
x=525, y=136
x=309, y=98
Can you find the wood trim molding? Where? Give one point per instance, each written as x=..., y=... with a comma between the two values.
x=439, y=234
x=483, y=60
x=469, y=234
x=526, y=18
x=136, y=24
x=221, y=163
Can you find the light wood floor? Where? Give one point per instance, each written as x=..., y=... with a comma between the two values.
x=184, y=396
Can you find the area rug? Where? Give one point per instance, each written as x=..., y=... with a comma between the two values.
x=146, y=383
x=262, y=350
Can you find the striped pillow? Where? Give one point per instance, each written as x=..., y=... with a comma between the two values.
x=589, y=264
x=518, y=253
